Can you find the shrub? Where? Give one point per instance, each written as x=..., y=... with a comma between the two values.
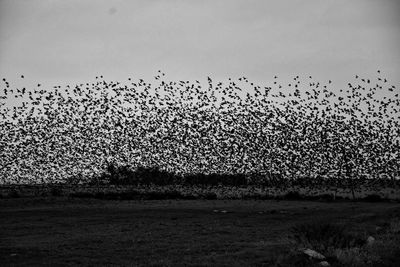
x=294, y=258
x=326, y=197
x=209, y=196
x=321, y=236
x=154, y=176
x=373, y=198
x=124, y=175
x=293, y=195
x=355, y=257
x=341, y=248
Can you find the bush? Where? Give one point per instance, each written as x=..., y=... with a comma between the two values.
x=326, y=197
x=321, y=236
x=341, y=248
x=355, y=257
x=373, y=198
x=124, y=175
x=209, y=196
x=293, y=195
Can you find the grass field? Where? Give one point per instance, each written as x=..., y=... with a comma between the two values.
x=91, y=232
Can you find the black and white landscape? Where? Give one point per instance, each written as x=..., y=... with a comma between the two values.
x=199, y=133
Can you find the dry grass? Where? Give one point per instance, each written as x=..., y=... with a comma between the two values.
x=343, y=246
x=92, y=232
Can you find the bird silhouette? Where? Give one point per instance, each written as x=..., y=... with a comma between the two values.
x=301, y=133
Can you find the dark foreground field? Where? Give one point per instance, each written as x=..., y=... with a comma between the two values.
x=90, y=232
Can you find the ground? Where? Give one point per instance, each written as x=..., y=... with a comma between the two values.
x=64, y=231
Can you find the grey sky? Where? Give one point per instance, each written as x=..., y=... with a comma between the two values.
x=59, y=41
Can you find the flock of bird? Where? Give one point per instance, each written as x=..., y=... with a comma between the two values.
x=300, y=128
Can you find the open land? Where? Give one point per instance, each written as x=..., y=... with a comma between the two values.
x=63, y=231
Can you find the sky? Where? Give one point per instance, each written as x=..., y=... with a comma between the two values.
x=58, y=42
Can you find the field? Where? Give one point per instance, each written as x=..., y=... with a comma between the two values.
x=61, y=231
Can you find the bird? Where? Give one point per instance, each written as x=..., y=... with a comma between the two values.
x=185, y=126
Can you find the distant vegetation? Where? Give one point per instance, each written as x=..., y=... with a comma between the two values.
x=127, y=183
x=125, y=175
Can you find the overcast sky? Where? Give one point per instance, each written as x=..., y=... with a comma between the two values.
x=68, y=41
